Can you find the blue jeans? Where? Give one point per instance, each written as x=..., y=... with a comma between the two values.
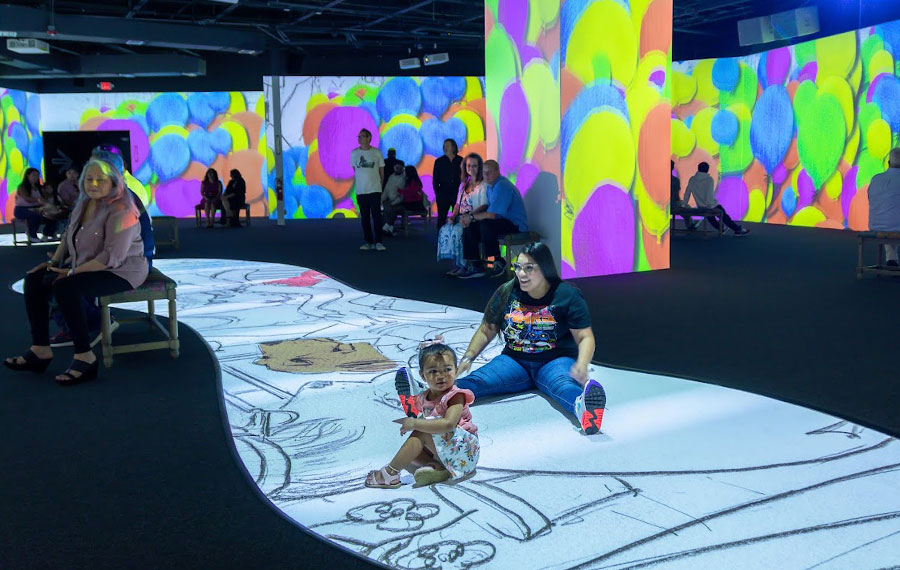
x=506, y=375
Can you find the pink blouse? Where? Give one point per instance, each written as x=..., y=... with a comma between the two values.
x=34, y=199
x=439, y=408
x=112, y=237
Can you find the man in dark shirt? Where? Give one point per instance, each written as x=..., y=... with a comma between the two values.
x=389, y=163
x=445, y=179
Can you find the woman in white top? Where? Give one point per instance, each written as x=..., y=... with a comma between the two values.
x=472, y=199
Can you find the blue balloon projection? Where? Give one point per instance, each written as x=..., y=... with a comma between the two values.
x=772, y=127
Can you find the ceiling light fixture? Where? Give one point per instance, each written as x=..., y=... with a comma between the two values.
x=410, y=63
x=436, y=58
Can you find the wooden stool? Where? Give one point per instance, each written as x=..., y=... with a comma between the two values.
x=519, y=238
x=156, y=287
x=880, y=239
x=405, y=215
x=170, y=223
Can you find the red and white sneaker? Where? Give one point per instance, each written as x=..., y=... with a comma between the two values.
x=406, y=392
x=589, y=407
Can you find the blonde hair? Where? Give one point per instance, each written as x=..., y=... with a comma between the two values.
x=119, y=192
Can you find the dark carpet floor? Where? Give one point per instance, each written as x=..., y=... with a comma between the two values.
x=136, y=470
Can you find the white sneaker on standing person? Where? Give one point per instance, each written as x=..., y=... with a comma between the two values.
x=368, y=171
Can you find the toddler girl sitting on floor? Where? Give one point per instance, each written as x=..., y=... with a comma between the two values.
x=444, y=441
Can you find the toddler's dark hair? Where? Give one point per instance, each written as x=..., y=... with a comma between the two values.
x=435, y=350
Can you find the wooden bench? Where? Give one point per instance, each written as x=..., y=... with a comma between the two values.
x=198, y=212
x=880, y=239
x=170, y=236
x=17, y=241
x=705, y=227
x=156, y=287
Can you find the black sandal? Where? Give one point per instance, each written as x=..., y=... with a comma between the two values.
x=88, y=372
x=32, y=363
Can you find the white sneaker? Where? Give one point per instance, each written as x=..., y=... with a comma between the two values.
x=366, y=247
x=387, y=228
x=380, y=247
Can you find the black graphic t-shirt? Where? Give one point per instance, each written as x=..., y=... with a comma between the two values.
x=538, y=329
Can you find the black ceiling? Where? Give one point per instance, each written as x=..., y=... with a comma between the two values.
x=208, y=44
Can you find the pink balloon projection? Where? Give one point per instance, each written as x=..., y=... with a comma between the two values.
x=177, y=197
x=733, y=196
x=603, y=238
x=337, y=138
x=140, y=145
x=513, y=128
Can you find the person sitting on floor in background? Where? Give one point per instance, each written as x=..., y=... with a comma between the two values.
x=505, y=214
x=675, y=198
x=884, y=204
x=443, y=441
x=389, y=163
x=445, y=178
x=390, y=196
x=103, y=242
x=234, y=198
x=473, y=198
x=703, y=188
x=29, y=202
x=210, y=193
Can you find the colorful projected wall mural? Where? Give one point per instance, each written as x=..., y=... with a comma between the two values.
x=615, y=135
x=578, y=99
x=321, y=116
x=522, y=87
x=175, y=138
x=20, y=143
x=795, y=134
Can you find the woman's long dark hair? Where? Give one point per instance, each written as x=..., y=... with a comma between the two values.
x=25, y=188
x=412, y=174
x=215, y=176
x=541, y=254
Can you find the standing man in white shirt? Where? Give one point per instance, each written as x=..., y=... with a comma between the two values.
x=703, y=188
x=368, y=169
x=884, y=204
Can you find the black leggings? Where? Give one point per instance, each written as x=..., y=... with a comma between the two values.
x=68, y=291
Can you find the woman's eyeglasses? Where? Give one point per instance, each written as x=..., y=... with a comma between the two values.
x=527, y=268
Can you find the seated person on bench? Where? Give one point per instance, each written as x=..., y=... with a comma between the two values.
x=505, y=214
x=675, y=198
x=390, y=195
x=107, y=254
x=234, y=197
x=884, y=204
x=29, y=204
x=702, y=187
x=112, y=155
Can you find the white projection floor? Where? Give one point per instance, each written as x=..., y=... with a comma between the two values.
x=683, y=476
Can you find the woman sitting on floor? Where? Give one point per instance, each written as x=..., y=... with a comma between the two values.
x=546, y=328
x=101, y=253
x=473, y=198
